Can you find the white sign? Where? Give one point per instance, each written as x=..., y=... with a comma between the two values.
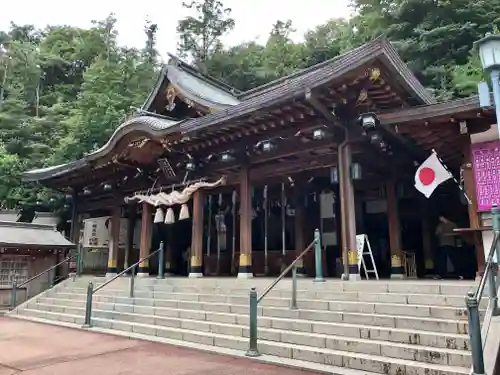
x=361, y=242
x=361, y=239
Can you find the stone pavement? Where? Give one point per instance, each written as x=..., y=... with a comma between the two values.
x=29, y=348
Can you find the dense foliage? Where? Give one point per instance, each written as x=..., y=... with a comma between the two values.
x=63, y=90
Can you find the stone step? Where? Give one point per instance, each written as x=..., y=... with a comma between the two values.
x=228, y=303
x=394, y=321
x=358, y=361
x=411, y=337
x=221, y=295
x=455, y=288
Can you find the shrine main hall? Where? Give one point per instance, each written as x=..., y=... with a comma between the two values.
x=235, y=183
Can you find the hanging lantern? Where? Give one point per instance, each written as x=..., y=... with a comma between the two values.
x=319, y=134
x=376, y=139
x=159, y=216
x=356, y=171
x=334, y=175
x=190, y=166
x=368, y=121
x=226, y=157
x=267, y=146
x=170, y=216
x=184, y=214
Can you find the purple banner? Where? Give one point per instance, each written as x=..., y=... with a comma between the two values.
x=486, y=162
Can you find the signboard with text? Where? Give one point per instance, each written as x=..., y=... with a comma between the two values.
x=486, y=163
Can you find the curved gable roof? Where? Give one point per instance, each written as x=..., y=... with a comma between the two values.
x=152, y=126
x=193, y=85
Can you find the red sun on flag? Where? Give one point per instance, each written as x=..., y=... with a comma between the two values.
x=426, y=176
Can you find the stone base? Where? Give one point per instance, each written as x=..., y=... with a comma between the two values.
x=245, y=275
x=109, y=275
x=354, y=277
x=142, y=274
x=397, y=276
x=195, y=275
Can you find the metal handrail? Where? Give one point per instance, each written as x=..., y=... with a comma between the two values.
x=15, y=286
x=285, y=272
x=473, y=299
x=125, y=271
x=254, y=300
x=487, y=269
x=44, y=272
x=91, y=291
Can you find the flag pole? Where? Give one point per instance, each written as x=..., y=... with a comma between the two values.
x=452, y=176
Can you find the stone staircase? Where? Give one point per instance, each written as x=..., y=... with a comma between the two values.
x=385, y=327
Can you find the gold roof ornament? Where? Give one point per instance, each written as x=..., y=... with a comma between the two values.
x=374, y=74
x=170, y=94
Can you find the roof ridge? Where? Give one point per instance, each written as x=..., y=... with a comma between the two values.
x=204, y=76
x=246, y=94
x=18, y=224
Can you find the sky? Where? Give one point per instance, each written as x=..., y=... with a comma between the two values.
x=253, y=18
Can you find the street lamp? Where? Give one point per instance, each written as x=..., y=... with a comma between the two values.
x=489, y=53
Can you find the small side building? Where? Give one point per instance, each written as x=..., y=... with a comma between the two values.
x=25, y=251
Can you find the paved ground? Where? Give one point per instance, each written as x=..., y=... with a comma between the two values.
x=37, y=349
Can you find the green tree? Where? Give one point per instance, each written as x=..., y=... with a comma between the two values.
x=432, y=36
x=65, y=91
x=200, y=34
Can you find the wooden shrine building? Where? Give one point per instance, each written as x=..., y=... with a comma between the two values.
x=239, y=181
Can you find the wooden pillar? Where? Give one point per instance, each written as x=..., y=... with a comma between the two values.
x=75, y=229
x=474, y=219
x=426, y=238
x=74, y=234
x=300, y=220
x=245, y=268
x=129, y=246
x=145, y=241
x=114, y=239
x=195, y=269
x=348, y=214
x=168, y=251
x=397, y=269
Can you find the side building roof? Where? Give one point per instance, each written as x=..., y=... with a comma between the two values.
x=40, y=236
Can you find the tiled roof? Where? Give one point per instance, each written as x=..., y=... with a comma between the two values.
x=148, y=124
x=294, y=86
x=14, y=234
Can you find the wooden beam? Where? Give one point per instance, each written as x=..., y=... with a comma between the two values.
x=236, y=143
x=297, y=146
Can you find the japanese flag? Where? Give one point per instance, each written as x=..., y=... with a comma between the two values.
x=430, y=175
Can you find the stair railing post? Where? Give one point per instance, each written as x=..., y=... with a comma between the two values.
x=78, y=260
x=253, y=351
x=294, y=288
x=495, y=220
x=132, y=283
x=88, y=306
x=317, y=257
x=13, y=294
x=475, y=334
x=50, y=279
x=492, y=289
x=161, y=262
